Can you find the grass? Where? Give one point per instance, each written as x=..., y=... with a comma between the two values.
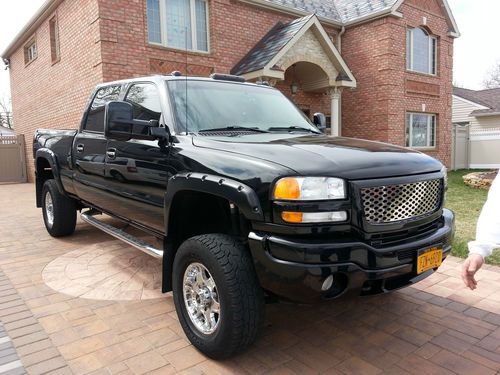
x=467, y=203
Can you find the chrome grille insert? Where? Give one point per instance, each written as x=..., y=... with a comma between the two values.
x=392, y=203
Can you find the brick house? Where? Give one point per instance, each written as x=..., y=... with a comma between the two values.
x=379, y=69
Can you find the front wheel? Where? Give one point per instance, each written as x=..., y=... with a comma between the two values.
x=59, y=211
x=219, y=302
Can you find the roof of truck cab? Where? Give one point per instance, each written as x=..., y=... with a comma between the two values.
x=163, y=78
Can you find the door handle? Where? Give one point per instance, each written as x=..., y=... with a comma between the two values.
x=111, y=153
x=80, y=148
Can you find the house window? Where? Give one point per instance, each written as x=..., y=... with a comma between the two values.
x=30, y=51
x=179, y=24
x=420, y=130
x=421, y=51
x=54, y=39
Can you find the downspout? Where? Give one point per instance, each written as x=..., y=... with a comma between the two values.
x=339, y=39
x=339, y=47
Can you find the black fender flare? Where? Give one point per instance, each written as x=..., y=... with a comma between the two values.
x=50, y=156
x=243, y=196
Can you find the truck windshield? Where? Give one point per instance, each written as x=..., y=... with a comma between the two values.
x=221, y=105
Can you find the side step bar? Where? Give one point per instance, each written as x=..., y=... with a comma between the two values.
x=88, y=217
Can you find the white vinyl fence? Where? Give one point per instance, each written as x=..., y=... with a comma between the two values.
x=12, y=159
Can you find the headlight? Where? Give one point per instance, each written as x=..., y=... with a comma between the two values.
x=309, y=188
x=444, y=171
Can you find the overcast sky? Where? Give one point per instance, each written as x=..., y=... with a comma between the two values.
x=476, y=51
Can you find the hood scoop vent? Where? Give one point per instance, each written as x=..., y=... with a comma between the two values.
x=228, y=133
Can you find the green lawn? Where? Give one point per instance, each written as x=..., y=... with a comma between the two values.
x=466, y=202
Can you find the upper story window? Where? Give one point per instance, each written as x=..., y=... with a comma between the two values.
x=421, y=51
x=54, y=40
x=179, y=24
x=30, y=51
x=420, y=130
x=95, y=117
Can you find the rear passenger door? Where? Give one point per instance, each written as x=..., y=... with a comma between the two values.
x=89, y=149
x=137, y=169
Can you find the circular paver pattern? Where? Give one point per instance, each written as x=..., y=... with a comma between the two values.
x=105, y=271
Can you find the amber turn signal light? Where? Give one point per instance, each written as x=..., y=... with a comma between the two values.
x=291, y=217
x=287, y=188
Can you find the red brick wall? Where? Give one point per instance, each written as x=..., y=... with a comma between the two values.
x=234, y=29
x=105, y=40
x=376, y=54
x=46, y=95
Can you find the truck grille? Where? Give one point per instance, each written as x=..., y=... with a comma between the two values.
x=392, y=203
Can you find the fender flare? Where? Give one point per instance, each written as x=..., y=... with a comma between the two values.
x=50, y=156
x=243, y=196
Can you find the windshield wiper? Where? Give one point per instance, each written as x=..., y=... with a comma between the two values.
x=233, y=128
x=292, y=129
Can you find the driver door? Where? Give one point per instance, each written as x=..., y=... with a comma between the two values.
x=136, y=170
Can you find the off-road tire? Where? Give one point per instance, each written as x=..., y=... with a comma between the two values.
x=240, y=295
x=64, y=211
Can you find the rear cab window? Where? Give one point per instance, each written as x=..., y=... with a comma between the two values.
x=95, y=118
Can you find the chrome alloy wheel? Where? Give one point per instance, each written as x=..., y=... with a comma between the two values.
x=201, y=298
x=49, y=209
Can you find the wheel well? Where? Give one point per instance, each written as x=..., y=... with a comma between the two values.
x=193, y=213
x=43, y=173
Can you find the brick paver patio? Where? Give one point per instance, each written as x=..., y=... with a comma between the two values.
x=436, y=327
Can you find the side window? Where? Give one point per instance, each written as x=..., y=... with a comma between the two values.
x=95, y=118
x=145, y=100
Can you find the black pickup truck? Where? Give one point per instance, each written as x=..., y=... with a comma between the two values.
x=247, y=197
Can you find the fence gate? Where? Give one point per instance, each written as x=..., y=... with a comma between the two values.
x=460, y=147
x=12, y=159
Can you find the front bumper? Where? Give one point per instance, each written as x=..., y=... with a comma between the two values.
x=296, y=269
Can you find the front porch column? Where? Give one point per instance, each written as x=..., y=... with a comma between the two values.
x=335, y=93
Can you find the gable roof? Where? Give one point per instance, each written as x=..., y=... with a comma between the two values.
x=489, y=98
x=263, y=52
x=263, y=58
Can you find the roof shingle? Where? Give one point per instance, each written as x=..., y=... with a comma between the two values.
x=341, y=11
x=263, y=52
x=489, y=98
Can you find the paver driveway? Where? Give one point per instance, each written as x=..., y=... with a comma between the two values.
x=436, y=327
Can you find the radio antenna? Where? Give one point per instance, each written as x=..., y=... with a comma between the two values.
x=187, y=68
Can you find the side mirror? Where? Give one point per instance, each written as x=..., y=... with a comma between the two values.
x=118, y=120
x=119, y=124
x=319, y=120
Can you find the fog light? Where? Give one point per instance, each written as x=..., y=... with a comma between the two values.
x=327, y=284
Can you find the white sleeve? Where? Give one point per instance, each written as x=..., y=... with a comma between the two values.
x=488, y=225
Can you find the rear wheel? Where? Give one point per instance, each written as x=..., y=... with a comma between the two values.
x=219, y=302
x=59, y=211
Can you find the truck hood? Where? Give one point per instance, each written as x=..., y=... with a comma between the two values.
x=320, y=155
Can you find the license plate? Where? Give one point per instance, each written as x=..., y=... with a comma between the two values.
x=429, y=259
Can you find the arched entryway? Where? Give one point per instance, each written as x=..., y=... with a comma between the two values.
x=300, y=57
x=310, y=87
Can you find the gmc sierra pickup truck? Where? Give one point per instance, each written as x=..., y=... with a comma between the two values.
x=247, y=197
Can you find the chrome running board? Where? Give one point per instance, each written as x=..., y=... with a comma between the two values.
x=121, y=235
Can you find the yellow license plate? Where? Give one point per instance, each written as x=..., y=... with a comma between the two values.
x=429, y=259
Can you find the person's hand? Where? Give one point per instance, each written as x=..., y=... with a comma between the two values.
x=469, y=268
